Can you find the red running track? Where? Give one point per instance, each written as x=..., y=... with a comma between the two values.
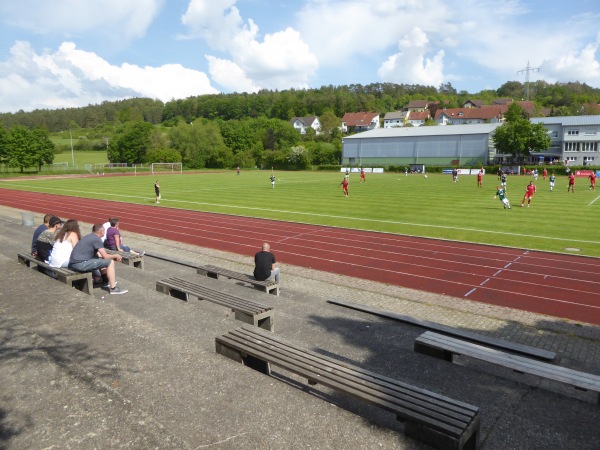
x=564, y=286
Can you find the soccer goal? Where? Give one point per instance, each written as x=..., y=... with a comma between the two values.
x=59, y=166
x=166, y=167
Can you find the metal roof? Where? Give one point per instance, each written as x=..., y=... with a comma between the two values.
x=567, y=120
x=440, y=130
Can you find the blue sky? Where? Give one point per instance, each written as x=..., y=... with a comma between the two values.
x=69, y=53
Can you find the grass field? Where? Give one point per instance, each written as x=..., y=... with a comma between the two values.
x=82, y=158
x=413, y=205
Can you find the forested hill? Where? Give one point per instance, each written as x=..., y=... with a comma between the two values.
x=560, y=98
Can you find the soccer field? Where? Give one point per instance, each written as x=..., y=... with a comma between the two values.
x=413, y=205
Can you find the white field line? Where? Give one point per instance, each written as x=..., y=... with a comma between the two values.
x=331, y=216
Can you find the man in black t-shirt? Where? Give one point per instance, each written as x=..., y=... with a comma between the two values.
x=265, y=265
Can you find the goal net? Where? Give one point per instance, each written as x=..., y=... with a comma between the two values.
x=166, y=167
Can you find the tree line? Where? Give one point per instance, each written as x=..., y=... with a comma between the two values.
x=24, y=147
x=226, y=130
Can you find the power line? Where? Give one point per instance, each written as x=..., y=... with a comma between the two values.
x=526, y=70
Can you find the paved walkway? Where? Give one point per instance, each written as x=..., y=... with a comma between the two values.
x=139, y=370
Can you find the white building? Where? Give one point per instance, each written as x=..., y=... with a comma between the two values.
x=575, y=139
x=303, y=123
x=394, y=119
x=437, y=146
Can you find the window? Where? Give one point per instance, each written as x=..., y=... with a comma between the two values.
x=573, y=132
x=588, y=159
x=554, y=134
x=589, y=146
x=571, y=158
x=571, y=146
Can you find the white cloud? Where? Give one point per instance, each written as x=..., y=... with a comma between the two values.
x=122, y=48
x=116, y=19
x=470, y=40
x=71, y=77
x=410, y=65
x=339, y=31
x=229, y=75
x=581, y=66
x=282, y=60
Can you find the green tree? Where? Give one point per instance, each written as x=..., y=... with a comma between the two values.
x=3, y=145
x=163, y=155
x=277, y=134
x=44, y=147
x=21, y=148
x=518, y=136
x=512, y=89
x=329, y=122
x=298, y=158
x=131, y=144
x=201, y=144
x=322, y=153
x=240, y=137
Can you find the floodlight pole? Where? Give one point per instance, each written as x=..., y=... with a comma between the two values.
x=72, y=154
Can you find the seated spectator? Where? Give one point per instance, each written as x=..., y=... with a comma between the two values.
x=66, y=239
x=45, y=241
x=113, y=240
x=38, y=231
x=265, y=265
x=84, y=258
x=106, y=225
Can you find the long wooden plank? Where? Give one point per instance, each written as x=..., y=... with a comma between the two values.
x=213, y=295
x=66, y=276
x=172, y=260
x=397, y=397
x=341, y=365
x=238, y=276
x=321, y=372
x=403, y=409
x=553, y=372
x=467, y=335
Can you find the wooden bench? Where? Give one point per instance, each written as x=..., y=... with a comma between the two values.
x=79, y=280
x=172, y=260
x=269, y=287
x=445, y=347
x=429, y=417
x=513, y=347
x=246, y=311
x=129, y=259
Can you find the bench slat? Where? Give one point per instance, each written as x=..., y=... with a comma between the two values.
x=79, y=280
x=214, y=272
x=245, y=310
x=581, y=380
x=400, y=401
x=415, y=405
x=342, y=366
x=463, y=334
x=129, y=259
x=214, y=295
